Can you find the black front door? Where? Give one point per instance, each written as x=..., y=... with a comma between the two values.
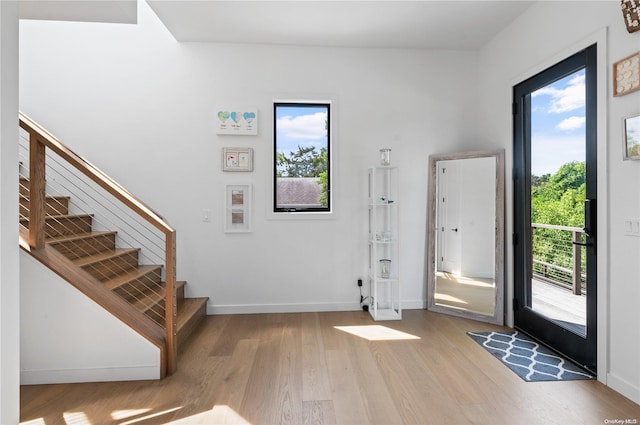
x=555, y=235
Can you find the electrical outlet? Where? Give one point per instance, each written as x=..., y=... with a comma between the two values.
x=359, y=282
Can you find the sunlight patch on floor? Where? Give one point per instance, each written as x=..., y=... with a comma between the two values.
x=124, y=414
x=39, y=421
x=76, y=418
x=153, y=415
x=376, y=333
x=220, y=414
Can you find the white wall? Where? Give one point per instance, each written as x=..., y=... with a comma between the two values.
x=9, y=270
x=141, y=106
x=66, y=337
x=543, y=35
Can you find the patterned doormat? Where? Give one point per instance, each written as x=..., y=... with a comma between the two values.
x=530, y=360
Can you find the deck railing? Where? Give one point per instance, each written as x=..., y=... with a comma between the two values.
x=49, y=168
x=556, y=259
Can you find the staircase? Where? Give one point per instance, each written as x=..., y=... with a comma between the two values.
x=112, y=275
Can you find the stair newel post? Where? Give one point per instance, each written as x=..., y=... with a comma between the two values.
x=37, y=189
x=170, y=303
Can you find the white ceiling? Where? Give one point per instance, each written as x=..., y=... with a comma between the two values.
x=416, y=24
x=426, y=24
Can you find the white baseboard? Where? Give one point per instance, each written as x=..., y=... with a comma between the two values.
x=624, y=387
x=213, y=309
x=414, y=304
x=68, y=376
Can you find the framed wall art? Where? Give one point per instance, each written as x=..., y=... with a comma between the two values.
x=631, y=14
x=237, y=217
x=626, y=75
x=631, y=136
x=237, y=121
x=237, y=159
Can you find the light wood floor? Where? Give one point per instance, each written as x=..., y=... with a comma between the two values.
x=300, y=369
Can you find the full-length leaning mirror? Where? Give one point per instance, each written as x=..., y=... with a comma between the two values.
x=465, y=246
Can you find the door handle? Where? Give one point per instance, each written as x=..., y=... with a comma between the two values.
x=583, y=244
x=455, y=230
x=590, y=222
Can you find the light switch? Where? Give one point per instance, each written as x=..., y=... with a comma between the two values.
x=206, y=216
x=632, y=227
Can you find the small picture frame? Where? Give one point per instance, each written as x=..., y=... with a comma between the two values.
x=631, y=136
x=237, y=121
x=626, y=75
x=237, y=159
x=237, y=208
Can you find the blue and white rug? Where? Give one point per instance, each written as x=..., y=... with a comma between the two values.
x=530, y=360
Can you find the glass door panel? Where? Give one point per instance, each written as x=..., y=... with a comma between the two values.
x=558, y=184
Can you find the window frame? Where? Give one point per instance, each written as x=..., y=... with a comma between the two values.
x=303, y=211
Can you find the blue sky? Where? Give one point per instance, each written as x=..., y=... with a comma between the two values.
x=300, y=126
x=558, y=124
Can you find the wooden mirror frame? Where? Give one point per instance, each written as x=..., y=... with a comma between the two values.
x=498, y=313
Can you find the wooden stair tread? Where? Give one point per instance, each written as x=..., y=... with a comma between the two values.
x=150, y=300
x=188, y=308
x=153, y=298
x=63, y=216
x=50, y=197
x=191, y=309
x=78, y=236
x=179, y=291
x=104, y=256
x=129, y=276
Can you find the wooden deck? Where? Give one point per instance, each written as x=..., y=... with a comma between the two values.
x=559, y=303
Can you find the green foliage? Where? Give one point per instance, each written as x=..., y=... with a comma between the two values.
x=557, y=199
x=323, y=180
x=306, y=162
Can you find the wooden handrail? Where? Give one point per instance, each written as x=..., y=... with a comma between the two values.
x=39, y=141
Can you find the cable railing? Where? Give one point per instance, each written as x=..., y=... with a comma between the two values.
x=67, y=204
x=556, y=259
